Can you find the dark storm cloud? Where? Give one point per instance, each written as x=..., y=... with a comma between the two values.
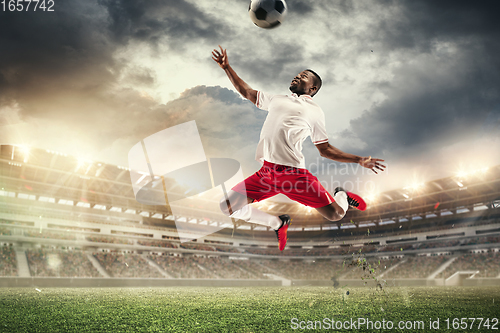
x=68, y=55
x=140, y=76
x=299, y=7
x=41, y=51
x=421, y=22
x=222, y=94
x=152, y=20
x=447, y=83
x=279, y=67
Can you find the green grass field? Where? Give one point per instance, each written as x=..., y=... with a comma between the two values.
x=271, y=309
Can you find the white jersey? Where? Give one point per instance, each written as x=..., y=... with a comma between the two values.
x=291, y=119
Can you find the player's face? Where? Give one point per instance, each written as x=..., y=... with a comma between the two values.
x=302, y=83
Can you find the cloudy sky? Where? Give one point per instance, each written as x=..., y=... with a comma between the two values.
x=94, y=77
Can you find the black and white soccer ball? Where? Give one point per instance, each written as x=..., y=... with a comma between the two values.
x=267, y=13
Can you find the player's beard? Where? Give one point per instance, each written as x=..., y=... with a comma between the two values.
x=294, y=88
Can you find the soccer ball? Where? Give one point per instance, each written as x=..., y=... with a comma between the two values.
x=267, y=14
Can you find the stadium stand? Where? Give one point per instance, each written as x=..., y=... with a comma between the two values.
x=181, y=267
x=59, y=263
x=433, y=245
x=49, y=234
x=76, y=264
x=482, y=240
x=306, y=270
x=8, y=262
x=416, y=267
x=226, y=249
x=257, y=268
x=403, y=235
x=126, y=265
x=341, y=250
x=157, y=243
x=199, y=247
x=395, y=248
x=5, y=231
x=37, y=260
x=223, y=268
x=266, y=251
x=16, y=222
x=356, y=269
x=486, y=263
x=109, y=240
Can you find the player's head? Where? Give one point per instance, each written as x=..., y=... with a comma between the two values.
x=306, y=82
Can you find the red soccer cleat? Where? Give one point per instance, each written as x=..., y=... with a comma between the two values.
x=353, y=200
x=281, y=233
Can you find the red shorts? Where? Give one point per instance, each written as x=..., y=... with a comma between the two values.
x=298, y=184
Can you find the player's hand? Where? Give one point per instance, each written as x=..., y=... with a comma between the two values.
x=372, y=163
x=220, y=57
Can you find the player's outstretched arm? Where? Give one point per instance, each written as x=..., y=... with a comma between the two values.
x=328, y=151
x=243, y=88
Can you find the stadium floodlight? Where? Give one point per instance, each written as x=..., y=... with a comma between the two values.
x=55, y=152
x=25, y=150
x=416, y=186
x=82, y=161
x=100, y=170
x=371, y=197
x=460, y=184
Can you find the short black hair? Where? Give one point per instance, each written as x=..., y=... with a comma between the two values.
x=317, y=80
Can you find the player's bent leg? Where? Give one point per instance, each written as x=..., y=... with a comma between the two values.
x=331, y=212
x=234, y=201
x=236, y=205
x=343, y=200
x=349, y=199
